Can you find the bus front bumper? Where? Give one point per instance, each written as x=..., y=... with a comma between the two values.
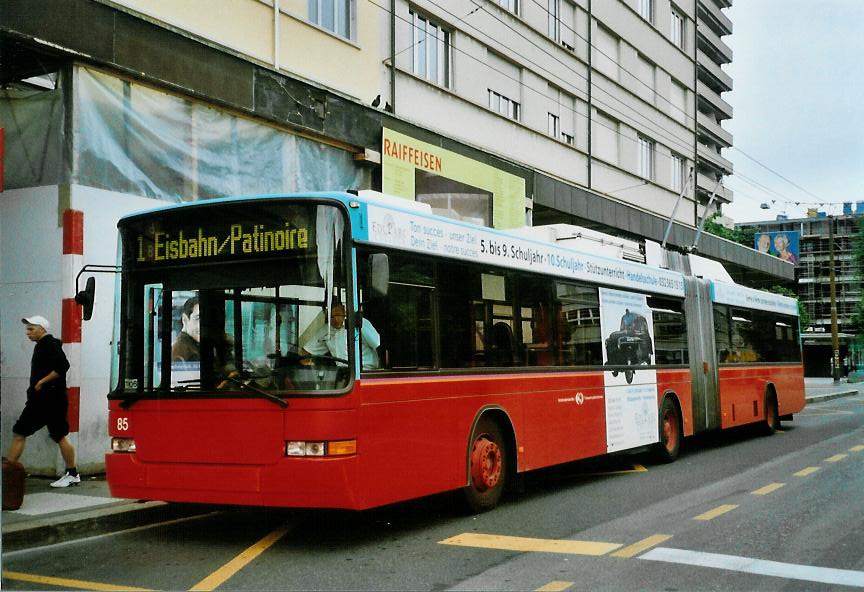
x=291, y=482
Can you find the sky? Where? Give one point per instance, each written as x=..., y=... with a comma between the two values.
x=798, y=106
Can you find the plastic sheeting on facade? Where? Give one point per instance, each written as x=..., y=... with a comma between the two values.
x=33, y=120
x=134, y=139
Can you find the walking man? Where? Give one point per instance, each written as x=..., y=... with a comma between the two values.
x=46, y=399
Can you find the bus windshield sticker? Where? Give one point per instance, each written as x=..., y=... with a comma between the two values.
x=415, y=232
x=329, y=227
x=627, y=327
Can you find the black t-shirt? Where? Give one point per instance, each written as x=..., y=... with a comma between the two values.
x=47, y=356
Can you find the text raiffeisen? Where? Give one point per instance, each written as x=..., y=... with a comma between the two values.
x=240, y=240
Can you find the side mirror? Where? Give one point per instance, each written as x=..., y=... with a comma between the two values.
x=86, y=297
x=379, y=274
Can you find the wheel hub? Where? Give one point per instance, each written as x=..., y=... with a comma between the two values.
x=670, y=431
x=485, y=464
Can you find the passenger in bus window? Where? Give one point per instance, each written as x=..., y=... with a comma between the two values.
x=332, y=339
x=187, y=347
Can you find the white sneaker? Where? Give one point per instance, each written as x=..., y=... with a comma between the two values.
x=67, y=480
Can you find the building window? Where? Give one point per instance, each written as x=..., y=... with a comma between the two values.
x=334, y=15
x=604, y=137
x=554, y=125
x=606, y=53
x=677, y=173
x=567, y=138
x=646, y=10
x=511, y=5
x=678, y=102
x=645, y=73
x=503, y=105
x=677, y=31
x=555, y=20
x=646, y=158
x=431, y=43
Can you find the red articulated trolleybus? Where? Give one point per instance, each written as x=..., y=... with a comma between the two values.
x=348, y=351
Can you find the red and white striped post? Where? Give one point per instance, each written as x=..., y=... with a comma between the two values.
x=73, y=256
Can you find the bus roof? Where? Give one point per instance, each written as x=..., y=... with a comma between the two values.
x=383, y=221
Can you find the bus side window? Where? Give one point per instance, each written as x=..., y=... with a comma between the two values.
x=534, y=313
x=723, y=335
x=404, y=317
x=670, y=331
x=577, y=309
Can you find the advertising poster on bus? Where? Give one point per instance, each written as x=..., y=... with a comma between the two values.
x=627, y=330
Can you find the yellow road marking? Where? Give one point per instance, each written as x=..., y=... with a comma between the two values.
x=555, y=587
x=858, y=448
x=221, y=575
x=768, y=489
x=643, y=545
x=836, y=458
x=807, y=471
x=718, y=511
x=65, y=582
x=524, y=544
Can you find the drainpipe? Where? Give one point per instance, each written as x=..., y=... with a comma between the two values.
x=393, y=56
x=590, y=83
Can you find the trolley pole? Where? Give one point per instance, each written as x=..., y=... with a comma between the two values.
x=835, y=339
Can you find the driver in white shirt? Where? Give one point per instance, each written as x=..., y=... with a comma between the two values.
x=332, y=339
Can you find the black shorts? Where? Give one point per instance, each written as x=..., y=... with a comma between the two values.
x=44, y=409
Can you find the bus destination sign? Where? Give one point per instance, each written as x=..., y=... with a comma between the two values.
x=159, y=244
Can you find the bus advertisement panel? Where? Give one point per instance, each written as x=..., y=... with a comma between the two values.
x=627, y=327
x=444, y=238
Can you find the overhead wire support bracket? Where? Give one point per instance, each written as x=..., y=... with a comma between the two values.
x=675, y=209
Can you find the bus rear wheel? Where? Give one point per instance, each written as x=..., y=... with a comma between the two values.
x=772, y=416
x=487, y=466
x=666, y=450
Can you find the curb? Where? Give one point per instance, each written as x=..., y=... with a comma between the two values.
x=830, y=396
x=60, y=528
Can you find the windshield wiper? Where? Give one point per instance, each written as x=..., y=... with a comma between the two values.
x=278, y=400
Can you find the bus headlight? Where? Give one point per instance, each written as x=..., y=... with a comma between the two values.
x=122, y=445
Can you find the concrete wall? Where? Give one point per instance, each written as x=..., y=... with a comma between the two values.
x=33, y=280
x=293, y=44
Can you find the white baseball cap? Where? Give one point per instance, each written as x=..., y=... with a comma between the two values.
x=37, y=320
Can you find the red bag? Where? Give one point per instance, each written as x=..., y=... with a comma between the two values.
x=13, y=485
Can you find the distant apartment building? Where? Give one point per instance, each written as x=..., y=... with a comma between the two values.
x=603, y=113
x=813, y=274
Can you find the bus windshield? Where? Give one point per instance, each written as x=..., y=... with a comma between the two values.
x=235, y=299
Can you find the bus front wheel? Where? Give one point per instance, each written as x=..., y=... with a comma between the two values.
x=487, y=466
x=670, y=432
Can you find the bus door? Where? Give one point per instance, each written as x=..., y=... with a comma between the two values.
x=703, y=355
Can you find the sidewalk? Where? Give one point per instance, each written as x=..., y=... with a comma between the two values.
x=53, y=515
x=50, y=515
x=818, y=390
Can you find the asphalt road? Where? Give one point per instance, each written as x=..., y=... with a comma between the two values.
x=737, y=511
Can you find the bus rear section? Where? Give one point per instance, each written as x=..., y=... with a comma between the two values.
x=747, y=356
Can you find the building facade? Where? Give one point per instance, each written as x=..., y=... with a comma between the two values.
x=606, y=114
x=813, y=275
